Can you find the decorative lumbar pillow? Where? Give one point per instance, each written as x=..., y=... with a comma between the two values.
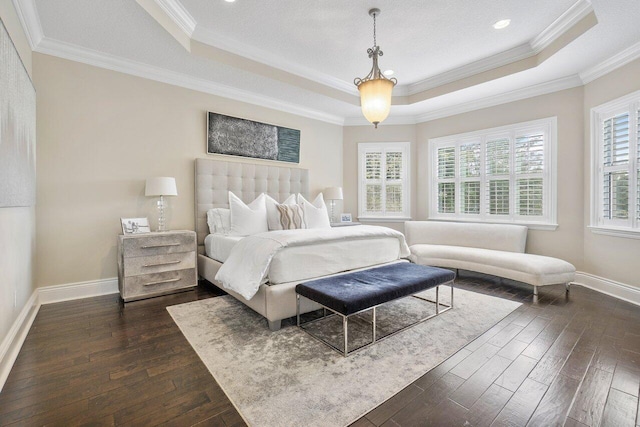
x=291, y=217
x=315, y=214
x=273, y=215
x=219, y=220
x=247, y=219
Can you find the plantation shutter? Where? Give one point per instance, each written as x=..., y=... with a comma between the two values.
x=373, y=181
x=497, y=171
x=383, y=171
x=470, y=178
x=393, y=182
x=615, y=176
x=529, y=170
x=446, y=180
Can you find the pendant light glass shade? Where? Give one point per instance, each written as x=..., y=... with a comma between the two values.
x=375, y=99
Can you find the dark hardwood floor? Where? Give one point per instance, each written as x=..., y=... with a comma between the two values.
x=571, y=361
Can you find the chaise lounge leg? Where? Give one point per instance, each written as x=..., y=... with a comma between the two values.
x=274, y=325
x=535, y=290
x=566, y=285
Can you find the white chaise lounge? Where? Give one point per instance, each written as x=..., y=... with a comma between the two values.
x=494, y=249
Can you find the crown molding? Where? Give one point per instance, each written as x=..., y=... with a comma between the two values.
x=179, y=15
x=114, y=63
x=30, y=21
x=471, y=69
x=608, y=65
x=568, y=19
x=219, y=41
x=504, y=98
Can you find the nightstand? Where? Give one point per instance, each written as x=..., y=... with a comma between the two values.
x=153, y=264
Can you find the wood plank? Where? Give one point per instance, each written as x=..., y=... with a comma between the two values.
x=485, y=410
x=555, y=404
x=420, y=408
x=620, y=410
x=387, y=409
x=522, y=404
x=516, y=373
x=471, y=390
x=473, y=362
x=626, y=379
x=554, y=359
x=512, y=350
x=577, y=364
x=591, y=397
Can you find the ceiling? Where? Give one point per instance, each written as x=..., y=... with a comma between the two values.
x=301, y=56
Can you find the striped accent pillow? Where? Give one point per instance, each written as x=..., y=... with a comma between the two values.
x=291, y=217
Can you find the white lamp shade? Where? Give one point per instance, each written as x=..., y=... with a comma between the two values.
x=375, y=99
x=161, y=186
x=332, y=193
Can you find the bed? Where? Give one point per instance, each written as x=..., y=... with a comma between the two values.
x=275, y=297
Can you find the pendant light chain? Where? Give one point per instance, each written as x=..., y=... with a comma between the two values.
x=375, y=43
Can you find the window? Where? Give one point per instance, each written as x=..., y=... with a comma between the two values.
x=503, y=174
x=383, y=175
x=615, y=148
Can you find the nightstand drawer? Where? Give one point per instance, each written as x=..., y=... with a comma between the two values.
x=158, y=244
x=158, y=263
x=145, y=285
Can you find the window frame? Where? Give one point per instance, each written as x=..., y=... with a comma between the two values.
x=548, y=221
x=383, y=147
x=629, y=228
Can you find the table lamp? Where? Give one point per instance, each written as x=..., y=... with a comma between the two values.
x=333, y=194
x=161, y=186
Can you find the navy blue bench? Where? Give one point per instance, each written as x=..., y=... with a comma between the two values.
x=353, y=293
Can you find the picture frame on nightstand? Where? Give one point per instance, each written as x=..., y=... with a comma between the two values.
x=135, y=225
x=345, y=217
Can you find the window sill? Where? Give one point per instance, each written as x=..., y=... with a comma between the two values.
x=383, y=219
x=628, y=233
x=530, y=226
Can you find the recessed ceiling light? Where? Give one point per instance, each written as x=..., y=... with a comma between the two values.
x=229, y=1
x=503, y=23
x=388, y=72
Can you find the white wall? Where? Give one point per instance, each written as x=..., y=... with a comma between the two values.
x=102, y=133
x=17, y=225
x=614, y=258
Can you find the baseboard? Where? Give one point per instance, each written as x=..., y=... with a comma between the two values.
x=610, y=287
x=11, y=344
x=71, y=291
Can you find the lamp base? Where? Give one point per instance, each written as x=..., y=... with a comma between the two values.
x=161, y=225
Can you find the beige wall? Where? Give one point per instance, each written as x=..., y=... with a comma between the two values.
x=102, y=133
x=355, y=134
x=614, y=258
x=566, y=241
x=17, y=225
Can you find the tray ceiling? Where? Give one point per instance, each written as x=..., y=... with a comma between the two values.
x=301, y=56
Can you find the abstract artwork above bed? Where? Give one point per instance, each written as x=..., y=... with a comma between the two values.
x=17, y=128
x=240, y=137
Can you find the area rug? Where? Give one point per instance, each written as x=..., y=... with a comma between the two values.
x=286, y=378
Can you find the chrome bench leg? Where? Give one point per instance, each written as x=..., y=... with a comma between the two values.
x=374, y=325
x=345, y=324
x=437, y=299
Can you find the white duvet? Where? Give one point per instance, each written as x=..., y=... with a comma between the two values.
x=249, y=261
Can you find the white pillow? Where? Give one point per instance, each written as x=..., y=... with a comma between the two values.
x=247, y=219
x=315, y=214
x=273, y=215
x=219, y=220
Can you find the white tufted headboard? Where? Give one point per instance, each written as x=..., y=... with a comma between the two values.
x=215, y=178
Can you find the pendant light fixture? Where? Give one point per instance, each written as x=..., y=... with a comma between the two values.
x=375, y=89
